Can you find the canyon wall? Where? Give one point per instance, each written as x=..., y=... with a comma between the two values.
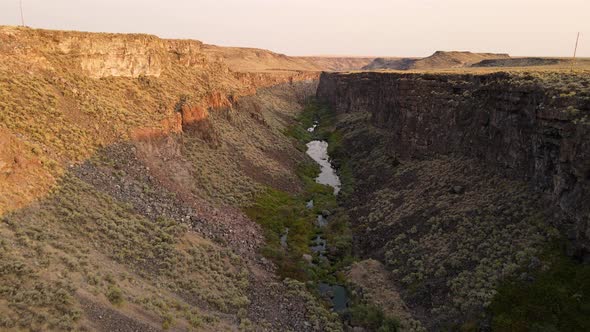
x=104, y=54
x=152, y=146
x=64, y=94
x=527, y=126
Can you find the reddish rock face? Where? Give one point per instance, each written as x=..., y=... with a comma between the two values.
x=526, y=126
x=170, y=125
x=193, y=114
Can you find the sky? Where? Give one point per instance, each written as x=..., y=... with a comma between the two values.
x=331, y=27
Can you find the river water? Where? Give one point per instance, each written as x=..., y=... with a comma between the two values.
x=318, y=151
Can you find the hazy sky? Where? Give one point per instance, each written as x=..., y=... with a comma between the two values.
x=346, y=27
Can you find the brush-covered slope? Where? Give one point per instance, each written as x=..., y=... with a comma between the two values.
x=438, y=60
x=65, y=94
x=124, y=163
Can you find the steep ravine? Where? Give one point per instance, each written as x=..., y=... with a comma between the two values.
x=463, y=183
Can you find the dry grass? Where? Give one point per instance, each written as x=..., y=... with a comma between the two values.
x=582, y=69
x=241, y=151
x=476, y=62
x=76, y=223
x=137, y=259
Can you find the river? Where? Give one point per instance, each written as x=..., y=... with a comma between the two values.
x=318, y=151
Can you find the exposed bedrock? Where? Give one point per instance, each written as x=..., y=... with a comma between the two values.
x=530, y=127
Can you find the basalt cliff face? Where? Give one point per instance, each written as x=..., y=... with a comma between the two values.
x=526, y=127
x=462, y=181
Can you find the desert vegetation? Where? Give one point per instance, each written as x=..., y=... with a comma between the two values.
x=160, y=252
x=451, y=240
x=551, y=298
x=118, y=206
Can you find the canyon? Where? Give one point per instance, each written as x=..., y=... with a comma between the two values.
x=150, y=184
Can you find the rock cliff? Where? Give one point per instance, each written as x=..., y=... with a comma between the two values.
x=528, y=126
x=462, y=182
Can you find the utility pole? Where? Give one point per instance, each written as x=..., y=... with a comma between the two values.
x=575, y=51
x=22, y=16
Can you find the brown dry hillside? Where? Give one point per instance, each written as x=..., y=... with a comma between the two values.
x=65, y=94
x=122, y=161
x=438, y=60
x=258, y=60
x=255, y=60
x=338, y=63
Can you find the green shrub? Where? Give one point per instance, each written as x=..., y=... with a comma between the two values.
x=557, y=299
x=167, y=321
x=313, y=111
x=115, y=295
x=372, y=318
x=275, y=211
